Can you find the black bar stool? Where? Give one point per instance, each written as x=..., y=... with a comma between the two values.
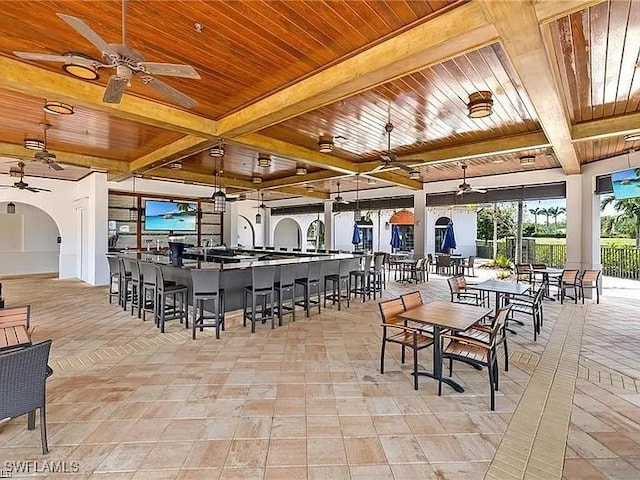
x=114, y=277
x=285, y=285
x=312, y=279
x=206, y=287
x=262, y=285
x=375, y=280
x=177, y=294
x=330, y=273
x=149, y=293
x=360, y=275
x=136, y=284
x=125, y=282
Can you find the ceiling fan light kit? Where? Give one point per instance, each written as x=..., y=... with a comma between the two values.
x=21, y=184
x=33, y=144
x=264, y=160
x=480, y=104
x=58, y=108
x=527, y=160
x=301, y=171
x=325, y=144
x=82, y=70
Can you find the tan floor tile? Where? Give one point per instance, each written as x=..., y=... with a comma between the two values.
x=391, y=425
x=285, y=473
x=183, y=429
x=364, y=451
x=156, y=475
x=166, y=455
x=587, y=446
x=199, y=474
x=368, y=472
x=326, y=451
x=247, y=454
x=285, y=427
x=460, y=471
x=242, y=474
x=207, y=454
x=616, y=468
x=253, y=427
x=578, y=469
x=88, y=457
x=361, y=426
x=323, y=426
x=402, y=449
x=218, y=428
x=125, y=457
x=287, y=453
x=424, y=424
x=338, y=472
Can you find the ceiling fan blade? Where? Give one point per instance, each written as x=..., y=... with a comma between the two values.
x=115, y=89
x=87, y=32
x=32, y=189
x=170, y=92
x=55, y=165
x=478, y=190
x=170, y=69
x=460, y=192
x=403, y=166
x=45, y=57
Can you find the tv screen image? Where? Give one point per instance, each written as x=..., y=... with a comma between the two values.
x=626, y=183
x=161, y=215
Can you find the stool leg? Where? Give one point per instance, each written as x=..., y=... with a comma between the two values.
x=253, y=312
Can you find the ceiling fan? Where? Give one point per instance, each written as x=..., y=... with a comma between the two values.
x=126, y=61
x=339, y=198
x=44, y=155
x=464, y=187
x=21, y=184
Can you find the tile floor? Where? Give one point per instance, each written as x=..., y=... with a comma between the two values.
x=307, y=401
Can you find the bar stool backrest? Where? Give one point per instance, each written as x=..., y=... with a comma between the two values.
x=313, y=273
x=132, y=266
x=367, y=263
x=329, y=267
x=288, y=275
x=470, y=261
x=205, y=281
x=262, y=277
x=345, y=266
x=123, y=266
x=114, y=266
x=148, y=271
x=159, y=277
x=378, y=263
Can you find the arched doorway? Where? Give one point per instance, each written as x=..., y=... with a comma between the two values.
x=440, y=228
x=315, y=235
x=246, y=236
x=287, y=234
x=29, y=240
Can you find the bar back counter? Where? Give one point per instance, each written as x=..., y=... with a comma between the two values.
x=235, y=267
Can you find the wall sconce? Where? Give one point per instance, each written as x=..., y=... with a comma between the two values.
x=11, y=208
x=258, y=218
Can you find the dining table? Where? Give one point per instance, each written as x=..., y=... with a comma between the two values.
x=407, y=266
x=547, y=273
x=442, y=315
x=14, y=336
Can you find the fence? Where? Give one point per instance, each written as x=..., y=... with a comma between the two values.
x=621, y=262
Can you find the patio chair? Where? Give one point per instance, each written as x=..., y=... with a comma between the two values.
x=478, y=354
x=13, y=316
x=443, y=262
x=395, y=330
x=530, y=305
x=524, y=273
x=538, y=277
x=569, y=280
x=23, y=375
x=468, y=266
x=590, y=279
x=459, y=293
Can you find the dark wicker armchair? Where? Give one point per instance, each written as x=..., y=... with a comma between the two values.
x=23, y=375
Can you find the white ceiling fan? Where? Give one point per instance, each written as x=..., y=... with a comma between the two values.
x=126, y=61
x=21, y=184
x=339, y=199
x=464, y=187
x=44, y=155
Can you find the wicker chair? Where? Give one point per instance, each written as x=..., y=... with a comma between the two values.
x=23, y=375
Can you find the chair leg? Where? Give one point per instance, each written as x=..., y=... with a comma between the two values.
x=415, y=366
x=506, y=356
x=382, y=353
x=31, y=420
x=253, y=312
x=492, y=386
x=43, y=430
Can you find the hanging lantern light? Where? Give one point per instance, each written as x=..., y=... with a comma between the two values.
x=258, y=218
x=357, y=214
x=133, y=211
x=11, y=208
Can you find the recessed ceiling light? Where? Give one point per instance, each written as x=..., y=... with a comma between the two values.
x=480, y=104
x=527, y=160
x=33, y=144
x=175, y=165
x=256, y=179
x=264, y=160
x=301, y=171
x=632, y=137
x=414, y=174
x=497, y=161
x=325, y=144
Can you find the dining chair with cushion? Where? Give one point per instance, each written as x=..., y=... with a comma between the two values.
x=590, y=280
x=395, y=330
x=569, y=281
x=23, y=376
x=478, y=353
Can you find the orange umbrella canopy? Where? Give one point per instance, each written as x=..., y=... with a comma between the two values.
x=403, y=217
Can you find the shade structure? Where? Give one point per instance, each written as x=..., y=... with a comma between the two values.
x=395, y=237
x=449, y=240
x=356, y=239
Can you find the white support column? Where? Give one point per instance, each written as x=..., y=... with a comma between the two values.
x=328, y=224
x=574, y=221
x=420, y=224
x=93, y=198
x=590, y=225
x=230, y=225
x=266, y=225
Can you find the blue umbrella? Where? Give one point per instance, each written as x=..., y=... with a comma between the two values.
x=356, y=235
x=449, y=240
x=395, y=237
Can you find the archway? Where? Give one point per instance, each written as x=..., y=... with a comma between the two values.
x=246, y=236
x=287, y=234
x=440, y=228
x=29, y=240
x=315, y=235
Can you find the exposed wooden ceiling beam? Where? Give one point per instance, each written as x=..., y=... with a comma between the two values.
x=303, y=192
x=263, y=143
x=181, y=148
x=522, y=41
x=550, y=10
x=302, y=179
x=606, y=127
x=460, y=30
x=206, y=179
x=396, y=179
x=65, y=158
x=34, y=81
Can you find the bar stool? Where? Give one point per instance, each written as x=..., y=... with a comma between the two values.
x=206, y=287
x=338, y=280
x=286, y=284
x=359, y=275
x=311, y=280
x=173, y=291
x=375, y=276
x=125, y=281
x=149, y=292
x=114, y=277
x=262, y=286
x=328, y=270
x=136, y=283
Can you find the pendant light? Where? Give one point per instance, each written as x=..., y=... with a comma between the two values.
x=219, y=198
x=258, y=215
x=133, y=211
x=357, y=214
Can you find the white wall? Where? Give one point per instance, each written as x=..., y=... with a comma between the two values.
x=286, y=233
x=464, y=226
x=37, y=250
x=244, y=232
x=246, y=209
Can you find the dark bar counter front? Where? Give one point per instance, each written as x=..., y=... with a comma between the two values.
x=235, y=266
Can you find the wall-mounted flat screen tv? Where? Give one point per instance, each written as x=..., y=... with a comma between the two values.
x=163, y=215
x=626, y=183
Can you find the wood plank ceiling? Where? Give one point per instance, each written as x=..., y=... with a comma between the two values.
x=260, y=56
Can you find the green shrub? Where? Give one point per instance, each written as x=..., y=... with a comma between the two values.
x=502, y=274
x=502, y=261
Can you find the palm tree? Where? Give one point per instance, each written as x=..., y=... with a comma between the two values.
x=555, y=212
x=628, y=208
x=535, y=212
x=546, y=213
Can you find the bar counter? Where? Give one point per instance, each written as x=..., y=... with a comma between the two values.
x=233, y=276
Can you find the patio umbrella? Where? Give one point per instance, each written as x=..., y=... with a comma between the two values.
x=395, y=237
x=449, y=240
x=356, y=235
